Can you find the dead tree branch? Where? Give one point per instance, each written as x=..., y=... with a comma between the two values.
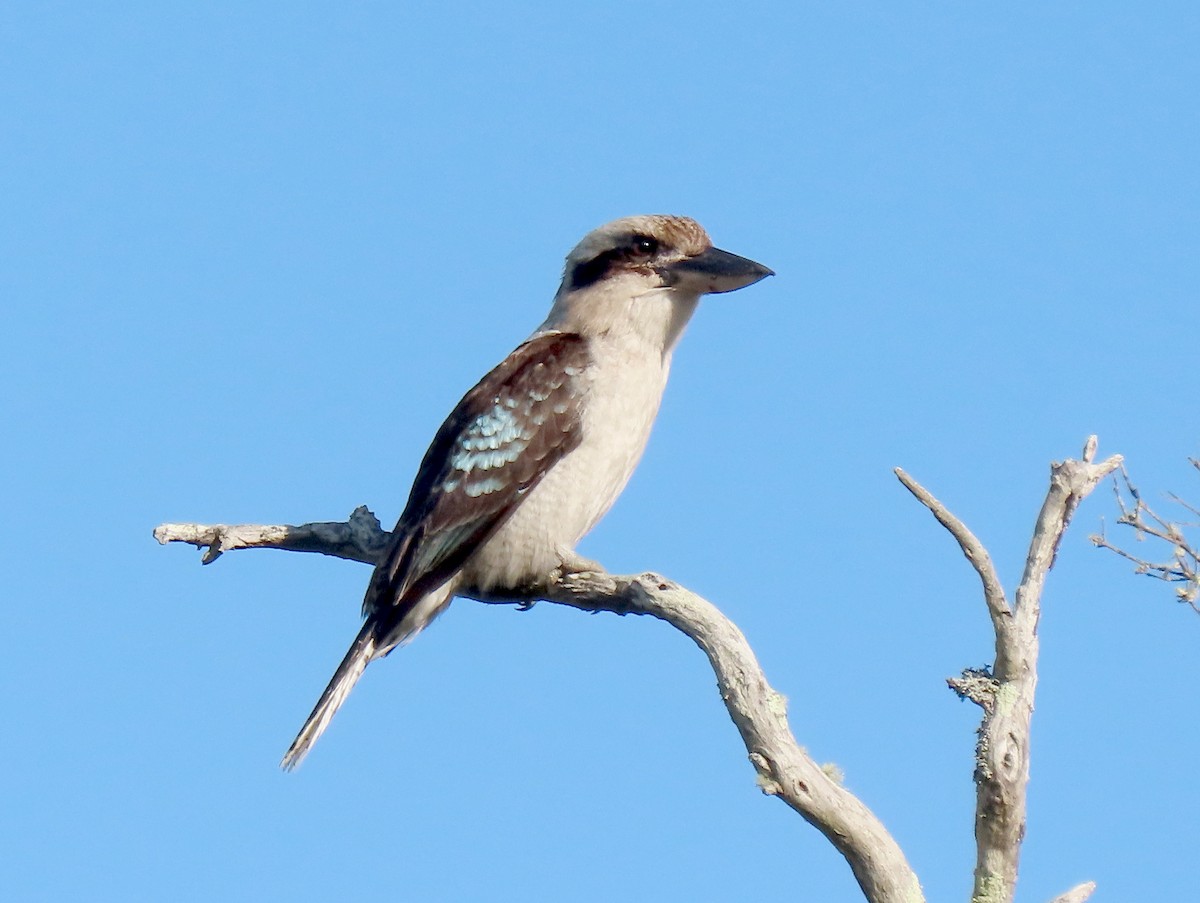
x=1183, y=567
x=361, y=538
x=759, y=712
x=1006, y=691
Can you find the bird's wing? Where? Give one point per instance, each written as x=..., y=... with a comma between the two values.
x=495, y=446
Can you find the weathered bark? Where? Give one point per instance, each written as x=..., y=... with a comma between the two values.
x=760, y=713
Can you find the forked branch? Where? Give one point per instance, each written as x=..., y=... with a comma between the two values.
x=1006, y=691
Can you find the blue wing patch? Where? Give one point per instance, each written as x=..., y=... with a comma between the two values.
x=495, y=446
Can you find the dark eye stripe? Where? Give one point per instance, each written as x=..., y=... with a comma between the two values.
x=637, y=247
x=589, y=272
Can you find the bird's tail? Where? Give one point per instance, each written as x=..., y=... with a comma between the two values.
x=362, y=650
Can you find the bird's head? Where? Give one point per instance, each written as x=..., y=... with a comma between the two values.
x=644, y=275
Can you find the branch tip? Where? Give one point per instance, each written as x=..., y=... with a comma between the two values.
x=972, y=548
x=1077, y=894
x=1089, y=449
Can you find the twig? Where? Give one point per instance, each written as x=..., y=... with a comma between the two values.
x=1184, y=565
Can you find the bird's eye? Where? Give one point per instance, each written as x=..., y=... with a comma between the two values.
x=644, y=245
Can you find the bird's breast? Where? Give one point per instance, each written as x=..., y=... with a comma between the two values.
x=622, y=390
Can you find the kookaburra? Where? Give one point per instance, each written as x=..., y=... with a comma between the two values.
x=538, y=451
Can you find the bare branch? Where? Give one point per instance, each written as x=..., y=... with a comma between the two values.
x=993, y=590
x=1070, y=483
x=1006, y=692
x=361, y=538
x=758, y=711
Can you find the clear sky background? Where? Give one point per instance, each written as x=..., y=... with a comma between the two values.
x=251, y=254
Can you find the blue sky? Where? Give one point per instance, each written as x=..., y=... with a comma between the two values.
x=251, y=254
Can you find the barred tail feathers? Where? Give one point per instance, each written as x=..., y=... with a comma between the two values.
x=361, y=652
x=378, y=637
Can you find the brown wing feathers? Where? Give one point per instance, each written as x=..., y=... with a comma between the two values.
x=495, y=446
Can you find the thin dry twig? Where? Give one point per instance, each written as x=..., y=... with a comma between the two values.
x=1183, y=567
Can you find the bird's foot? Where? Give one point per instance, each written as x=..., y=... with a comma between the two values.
x=572, y=563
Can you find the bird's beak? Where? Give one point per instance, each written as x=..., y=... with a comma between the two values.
x=715, y=271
